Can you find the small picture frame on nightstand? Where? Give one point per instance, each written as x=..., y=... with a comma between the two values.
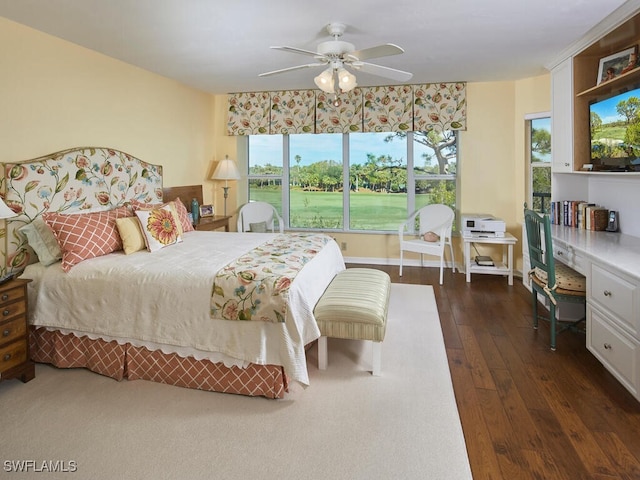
x=206, y=211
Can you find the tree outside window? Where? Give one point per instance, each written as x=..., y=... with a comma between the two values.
x=539, y=153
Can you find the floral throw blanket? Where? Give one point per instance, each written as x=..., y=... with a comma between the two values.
x=256, y=285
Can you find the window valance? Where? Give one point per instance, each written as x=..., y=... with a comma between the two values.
x=432, y=106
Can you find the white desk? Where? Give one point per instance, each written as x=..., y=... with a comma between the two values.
x=504, y=268
x=611, y=263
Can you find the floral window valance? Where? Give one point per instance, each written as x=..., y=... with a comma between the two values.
x=343, y=115
x=292, y=112
x=432, y=106
x=388, y=109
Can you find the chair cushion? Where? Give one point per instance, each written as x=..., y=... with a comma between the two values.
x=258, y=227
x=566, y=278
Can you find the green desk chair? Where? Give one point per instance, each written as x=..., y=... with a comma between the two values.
x=557, y=282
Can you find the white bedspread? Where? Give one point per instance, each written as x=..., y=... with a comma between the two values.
x=161, y=300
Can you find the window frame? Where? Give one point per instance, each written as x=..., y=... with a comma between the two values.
x=529, y=118
x=244, y=191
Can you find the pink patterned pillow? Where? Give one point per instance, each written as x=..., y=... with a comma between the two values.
x=86, y=235
x=183, y=215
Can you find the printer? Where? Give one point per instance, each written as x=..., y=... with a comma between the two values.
x=481, y=225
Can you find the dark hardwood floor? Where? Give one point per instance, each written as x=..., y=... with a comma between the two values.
x=528, y=412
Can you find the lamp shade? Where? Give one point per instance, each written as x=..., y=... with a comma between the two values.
x=324, y=81
x=6, y=212
x=226, y=170
x=346, y=80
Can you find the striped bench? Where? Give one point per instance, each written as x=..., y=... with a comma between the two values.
x=354, y=306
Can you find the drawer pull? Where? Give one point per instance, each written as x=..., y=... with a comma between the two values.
x=7, y=357
x=607, y=346
x=607, y=293
x=6, y=333
x=6, y=312
x=5, y=297
x=560, y=253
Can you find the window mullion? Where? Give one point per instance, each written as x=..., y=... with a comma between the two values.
x=286, y=185
x=411, y=181
x=346, y=183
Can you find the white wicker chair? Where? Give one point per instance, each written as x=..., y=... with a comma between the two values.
x=256, y=213
x=432, y=218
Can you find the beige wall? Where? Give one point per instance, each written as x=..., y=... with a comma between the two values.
x=56, y=95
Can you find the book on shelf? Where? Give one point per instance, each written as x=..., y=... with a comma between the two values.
x=579, y=214
x=484, y=261
x=599, y=219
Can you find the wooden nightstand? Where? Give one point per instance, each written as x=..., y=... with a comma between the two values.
x=14, y=332
x=213, y=223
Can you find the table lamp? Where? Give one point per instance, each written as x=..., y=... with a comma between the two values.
x=226, y=170
x=5, y=212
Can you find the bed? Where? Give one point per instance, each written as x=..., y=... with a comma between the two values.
x=173, y=315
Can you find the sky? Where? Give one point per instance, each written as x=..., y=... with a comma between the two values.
x=606, y=109
x=318, y=147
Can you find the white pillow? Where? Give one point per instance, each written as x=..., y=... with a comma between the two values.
x=160, y=227
x=42, y=240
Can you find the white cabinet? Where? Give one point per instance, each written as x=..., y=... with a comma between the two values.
x=617, y=351
x=562, y=117
x=613, y=323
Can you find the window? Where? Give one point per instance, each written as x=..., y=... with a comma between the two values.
x=387, y=175
x=538, y=128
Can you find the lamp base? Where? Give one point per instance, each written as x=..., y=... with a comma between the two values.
x=7, y=278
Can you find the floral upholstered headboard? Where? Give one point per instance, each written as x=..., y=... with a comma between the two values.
x=79, y=179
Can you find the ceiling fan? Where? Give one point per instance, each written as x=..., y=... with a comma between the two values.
x=337, y=54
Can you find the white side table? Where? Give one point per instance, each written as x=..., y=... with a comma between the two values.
x=504, y=268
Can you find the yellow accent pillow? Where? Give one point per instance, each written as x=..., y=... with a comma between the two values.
x=131, y=234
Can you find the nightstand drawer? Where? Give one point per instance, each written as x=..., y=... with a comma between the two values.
x=11, y=310
x=11, y=330
x=10, y=295
x=13, y=354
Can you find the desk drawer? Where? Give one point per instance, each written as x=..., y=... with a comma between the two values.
x=617, y=351
x=567, y=255
x=616, y=295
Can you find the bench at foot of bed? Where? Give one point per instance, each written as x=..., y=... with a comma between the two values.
x=354, y=306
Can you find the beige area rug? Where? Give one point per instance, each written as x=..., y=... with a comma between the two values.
x=346, y=425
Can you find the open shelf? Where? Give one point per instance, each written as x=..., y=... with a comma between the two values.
x=611, y=86
x=586, y=66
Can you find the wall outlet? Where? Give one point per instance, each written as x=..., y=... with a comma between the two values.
x=343, y=246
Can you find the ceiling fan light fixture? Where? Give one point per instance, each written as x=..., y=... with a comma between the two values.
x=346, y=80
x=324, y=81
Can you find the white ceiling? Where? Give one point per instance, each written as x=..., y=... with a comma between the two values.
x=221, y=46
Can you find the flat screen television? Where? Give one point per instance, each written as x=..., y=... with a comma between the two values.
x=615, y=132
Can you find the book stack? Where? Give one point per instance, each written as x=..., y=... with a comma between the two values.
x=579, y=214
x=484, y=261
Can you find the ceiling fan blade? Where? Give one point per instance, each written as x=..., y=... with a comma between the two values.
x=291, y=69
x=379, y=51
x=381, y=71
x=298, y=50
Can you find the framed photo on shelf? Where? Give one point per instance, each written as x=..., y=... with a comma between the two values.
x=617, y=64
x=206, y=211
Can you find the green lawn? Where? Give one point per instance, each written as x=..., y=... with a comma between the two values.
x=369, y=211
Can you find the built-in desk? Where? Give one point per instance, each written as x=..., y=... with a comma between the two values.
x=611, y=263
x=617, y=250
